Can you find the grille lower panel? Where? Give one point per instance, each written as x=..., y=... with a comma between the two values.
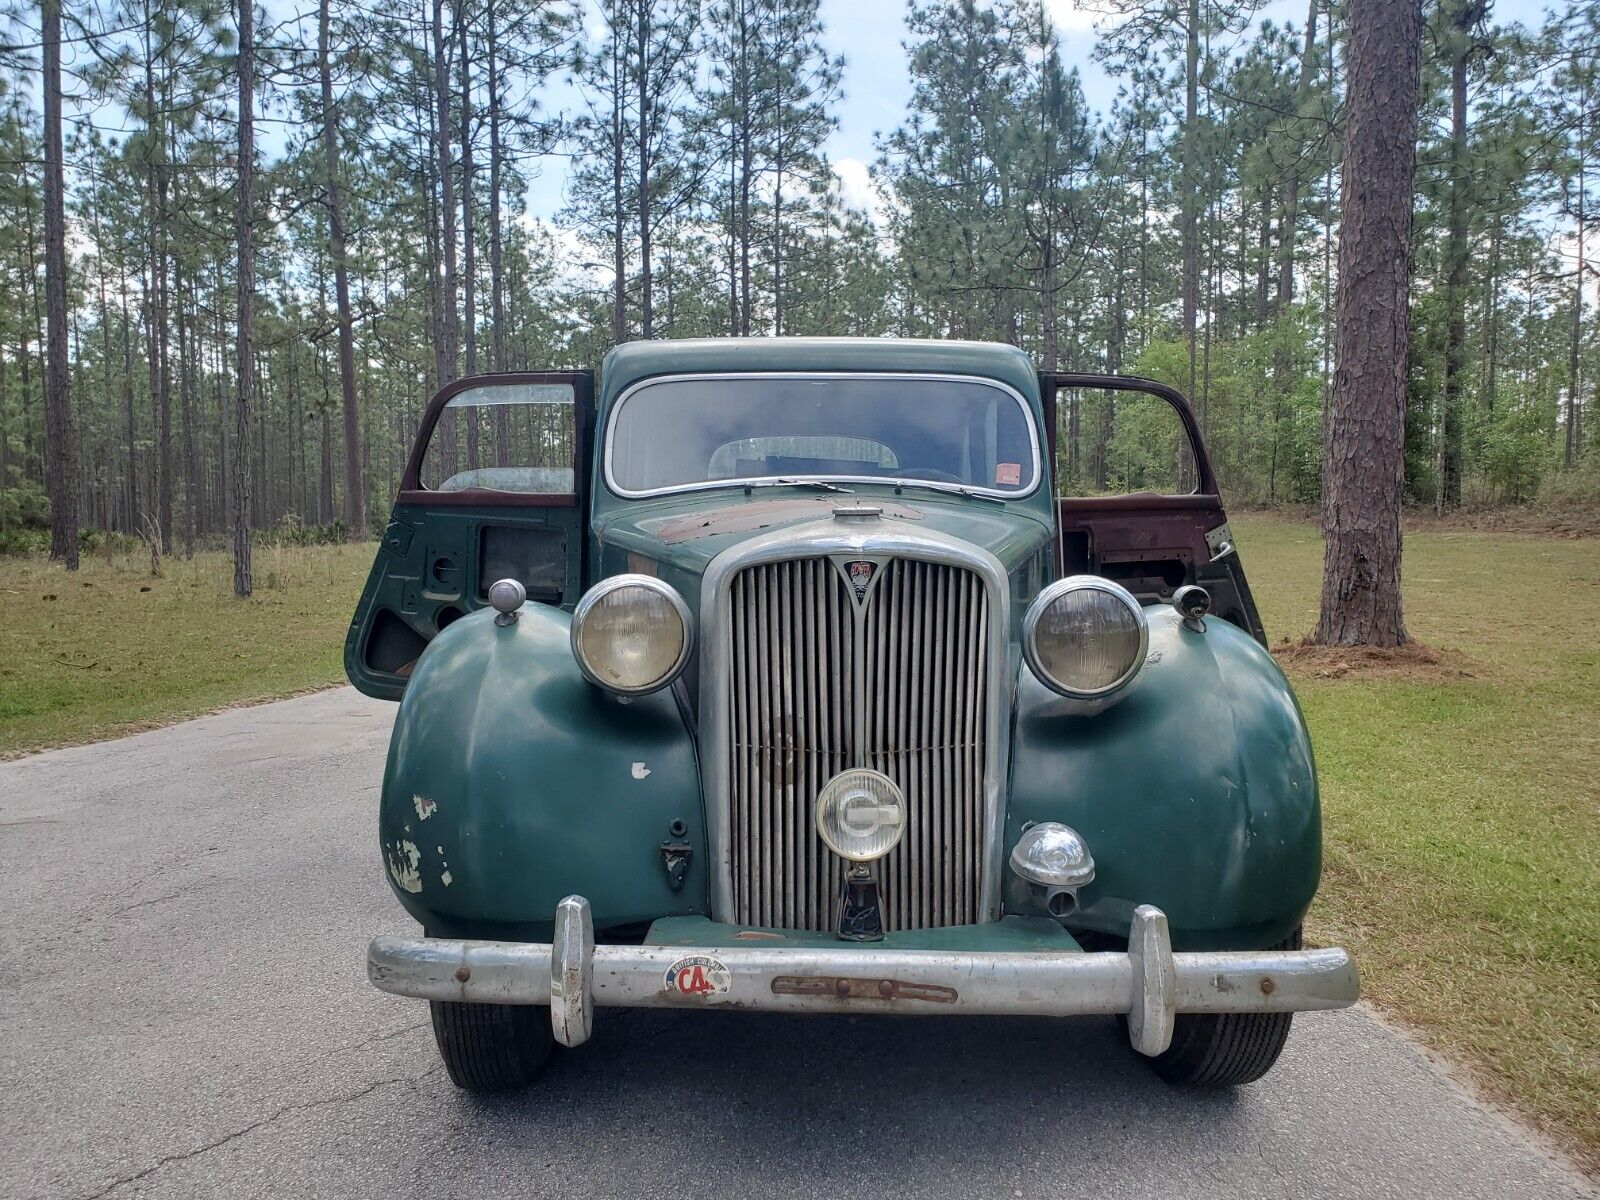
x=820, y=683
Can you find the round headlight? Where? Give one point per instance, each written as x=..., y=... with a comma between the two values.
x=860, y=814
x=1085, y=637
x=631, y=634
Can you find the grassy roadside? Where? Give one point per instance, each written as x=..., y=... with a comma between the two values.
x=111, y=650
x=1462, y=801
x=1462, y=807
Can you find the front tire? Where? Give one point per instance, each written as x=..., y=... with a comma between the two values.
x=492, y=1047
x=1225, y=1049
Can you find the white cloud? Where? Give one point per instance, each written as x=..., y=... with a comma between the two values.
x=1072, y=16
x=857, y=188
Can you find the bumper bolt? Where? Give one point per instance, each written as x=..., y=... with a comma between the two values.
x=1268, y=986
x=463, y=974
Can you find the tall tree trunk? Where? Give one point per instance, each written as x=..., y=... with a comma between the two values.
x=1363, y=458
x=1191, y=185
x=60, y=448
x=445, y=361
x=502, y=422
x=355, y=504
x=1291, y=188
x=619, y=260
x=1569, y=450
x=469, y=246
x=1448, y=494
x=746, y=121
x=646, y=316
x=496, y=248
x=187, y=369
x=243, y=579
x=131, y=498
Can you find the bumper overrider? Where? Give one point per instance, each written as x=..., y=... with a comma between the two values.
x=1150, y=983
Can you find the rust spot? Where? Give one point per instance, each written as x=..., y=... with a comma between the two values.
x=849, y=988
x=761, y=514
x=1268, y=985
x=463, y=974
x=758, y=935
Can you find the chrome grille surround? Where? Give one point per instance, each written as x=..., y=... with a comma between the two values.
x=880, y=540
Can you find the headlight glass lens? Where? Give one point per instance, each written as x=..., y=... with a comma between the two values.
x=1087, y=636
x=860, y=814
x=631, y=634
x=1053, y=854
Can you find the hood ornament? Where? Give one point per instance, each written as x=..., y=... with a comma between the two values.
x=857, y=511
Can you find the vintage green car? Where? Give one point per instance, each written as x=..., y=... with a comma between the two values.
x=814, y=675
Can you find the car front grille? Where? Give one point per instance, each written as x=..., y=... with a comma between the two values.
x=822, y=681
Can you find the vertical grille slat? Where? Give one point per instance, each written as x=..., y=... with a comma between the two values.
x=820, y=682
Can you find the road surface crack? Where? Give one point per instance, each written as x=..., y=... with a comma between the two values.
x=168, y=1159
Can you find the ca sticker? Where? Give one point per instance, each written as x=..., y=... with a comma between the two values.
x=697, y=975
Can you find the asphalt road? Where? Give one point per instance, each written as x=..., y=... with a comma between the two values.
x=184, y=1012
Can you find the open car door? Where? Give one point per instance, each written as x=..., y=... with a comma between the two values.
x=1137, y=498
x=495, y=488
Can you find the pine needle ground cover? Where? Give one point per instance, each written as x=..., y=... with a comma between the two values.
x=1461, y=786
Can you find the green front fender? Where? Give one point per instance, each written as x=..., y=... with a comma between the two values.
x=512, y=782
x=1196, y=793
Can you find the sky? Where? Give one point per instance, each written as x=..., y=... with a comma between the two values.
x=871, y=35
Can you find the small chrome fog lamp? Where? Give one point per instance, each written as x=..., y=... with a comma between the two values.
x=1055, y=861
x=860, y=817
x=631, y=634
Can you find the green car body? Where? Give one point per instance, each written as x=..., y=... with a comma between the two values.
x=513, y=781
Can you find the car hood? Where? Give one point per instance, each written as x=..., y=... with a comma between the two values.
x=677, y=536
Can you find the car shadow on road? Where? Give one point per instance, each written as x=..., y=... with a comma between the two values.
x=832, y=1097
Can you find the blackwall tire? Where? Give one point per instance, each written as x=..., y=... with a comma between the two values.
x=1221, y=1050
x=492, y=1047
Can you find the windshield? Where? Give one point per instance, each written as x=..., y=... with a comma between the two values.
x=694, y=432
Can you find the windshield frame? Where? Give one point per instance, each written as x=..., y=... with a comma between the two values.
x=616, y=408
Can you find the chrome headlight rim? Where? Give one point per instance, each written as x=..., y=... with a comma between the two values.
x=605, y=588
x=1062, y=587
x=829, y=798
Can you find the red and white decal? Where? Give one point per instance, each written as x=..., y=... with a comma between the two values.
x=697, y=976
x=1008, y=474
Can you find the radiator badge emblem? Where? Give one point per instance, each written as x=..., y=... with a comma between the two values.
x=861, y=572
x=696, y=976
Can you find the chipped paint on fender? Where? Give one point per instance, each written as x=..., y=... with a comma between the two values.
x=424, y=806
x=640, y=770
x=404, y=862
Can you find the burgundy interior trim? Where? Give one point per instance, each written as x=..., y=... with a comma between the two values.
x=1140, y=502
x=490, y=496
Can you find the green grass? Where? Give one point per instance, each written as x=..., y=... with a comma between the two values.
x=110, y=649
x=1462, y=811
x=1462, y=805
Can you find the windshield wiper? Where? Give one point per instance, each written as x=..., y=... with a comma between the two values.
x=774, y=481
x=953, y=489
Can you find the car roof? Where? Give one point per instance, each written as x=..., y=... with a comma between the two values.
x=631, y=362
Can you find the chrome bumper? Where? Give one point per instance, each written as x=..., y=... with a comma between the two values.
x=1150, y=983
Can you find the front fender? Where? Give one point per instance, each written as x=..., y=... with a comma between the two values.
x=1196, y=792
x=512, y=782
